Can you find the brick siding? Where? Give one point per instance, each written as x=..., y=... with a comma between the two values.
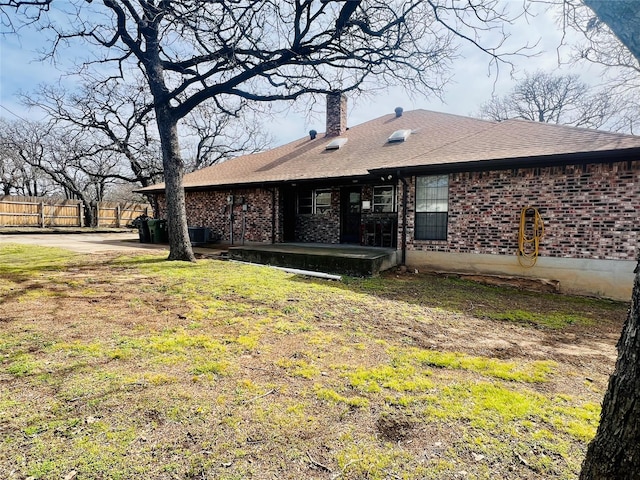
x=320, y=228
x=336, y=114
x=589, y=211
x=210, y=209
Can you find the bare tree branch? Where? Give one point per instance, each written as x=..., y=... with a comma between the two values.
x=560, y=99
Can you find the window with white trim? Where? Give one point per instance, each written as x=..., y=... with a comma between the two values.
x=384, y=199
x=432, y=207
x=314, y=201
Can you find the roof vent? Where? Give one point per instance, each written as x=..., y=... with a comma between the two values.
x=399, y=136
x=313, y=134
x=336, y=144
x=398, y=111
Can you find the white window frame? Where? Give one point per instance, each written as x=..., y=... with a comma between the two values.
x=376, y=205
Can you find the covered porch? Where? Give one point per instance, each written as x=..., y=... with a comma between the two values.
x=353, y=260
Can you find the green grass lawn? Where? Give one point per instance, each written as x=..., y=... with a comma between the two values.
x=134, y=367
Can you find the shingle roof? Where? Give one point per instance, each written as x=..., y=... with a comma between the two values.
x=437, y=139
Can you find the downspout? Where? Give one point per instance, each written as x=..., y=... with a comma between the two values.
x=231, y=202
x=273, y=215
x=405, y=201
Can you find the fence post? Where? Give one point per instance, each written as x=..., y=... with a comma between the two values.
x=42, y=214
x=118, y=215
x=81, y=214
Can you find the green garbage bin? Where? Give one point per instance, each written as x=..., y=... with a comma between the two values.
x=158, y=230
x=143, y=228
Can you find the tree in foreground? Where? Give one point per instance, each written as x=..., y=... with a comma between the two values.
x=617, y=54
x=194, y=52
x=552, y=98
x=614, y=453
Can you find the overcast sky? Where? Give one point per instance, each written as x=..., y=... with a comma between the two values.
x=471, y=83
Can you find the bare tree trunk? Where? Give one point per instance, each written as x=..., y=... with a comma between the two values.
x=614, y=453
x=90, y=213
x=622, y=17
x=180, y=245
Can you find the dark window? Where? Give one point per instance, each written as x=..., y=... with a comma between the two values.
x=432, y=207
x=314, y=201
x=384, y=199
x=305, y=201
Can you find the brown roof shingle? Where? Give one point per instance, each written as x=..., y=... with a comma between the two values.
x=437, y=139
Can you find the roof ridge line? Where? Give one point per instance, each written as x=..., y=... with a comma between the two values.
x=570, y=127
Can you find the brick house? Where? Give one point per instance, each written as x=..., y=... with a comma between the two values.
x=446, y=191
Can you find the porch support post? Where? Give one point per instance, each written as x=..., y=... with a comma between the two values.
x=81, y=213
x=118, y=215
x=405, y=201
x=273, y=215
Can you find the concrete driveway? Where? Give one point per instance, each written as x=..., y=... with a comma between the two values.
x=85, y=242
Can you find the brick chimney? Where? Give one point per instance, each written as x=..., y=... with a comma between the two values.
x=336, y=114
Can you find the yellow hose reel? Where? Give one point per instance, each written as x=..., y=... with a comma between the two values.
x=529, y=234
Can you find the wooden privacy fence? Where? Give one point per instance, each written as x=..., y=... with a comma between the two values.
x=45, y=212
x=120, y=214
x=40, y=212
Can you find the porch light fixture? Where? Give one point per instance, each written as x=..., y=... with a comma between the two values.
x=336, y=144
x=399, y=136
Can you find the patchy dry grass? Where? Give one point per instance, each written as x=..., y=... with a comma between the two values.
x=134, y=367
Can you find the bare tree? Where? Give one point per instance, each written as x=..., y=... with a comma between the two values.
x=193, y=52
x=18, y=177
x=212, y=136
x=26, y=3
x=65, y=159
x=107, y=115
x=560, y=99
x=601, y=46
x=114, y=116
x=622, y=17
